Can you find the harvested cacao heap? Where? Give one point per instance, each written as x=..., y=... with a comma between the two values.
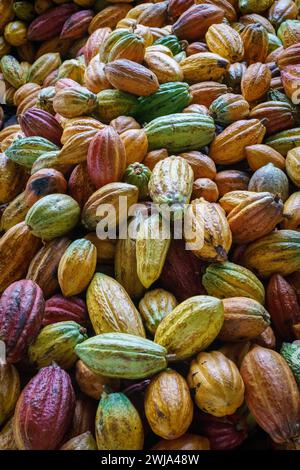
x=142, y=341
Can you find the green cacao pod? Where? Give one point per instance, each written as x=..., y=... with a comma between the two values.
x=56, y=343
x=170, y=98
x=53, y=216
x=180, y=132
x=122, y=356
x=225, y=280
x=291, y=353
x=27, y=150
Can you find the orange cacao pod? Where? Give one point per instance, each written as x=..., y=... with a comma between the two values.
x=194, y=22
x=272, y=394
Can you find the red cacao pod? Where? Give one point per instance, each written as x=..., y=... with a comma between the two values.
x=182, y=272
x=193, y=24
x=223, y=433
x=21, y=311
x=77, y=25
x=80, y=186
x=106, y=160
x=50, y=24
x=59, y=308
x=272, y=394
x=44, y=410
x=283, y=306
x=177, y=7
x=43, y=182
x=36, y=121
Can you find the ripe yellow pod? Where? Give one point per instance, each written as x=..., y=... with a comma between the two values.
x=209, y=235
x=126, y=267
x=136, y=145
x=260, y=155
x=256, y=81
x=111, y=309
x=291, y=212
x=225, y=41
x=77, y=267
x=204, y=66
x=168, y=405
x=292, y=165
x=15, y=33
x=222, y=389
x=191, y=327
x=256, y=43
x=165, y=68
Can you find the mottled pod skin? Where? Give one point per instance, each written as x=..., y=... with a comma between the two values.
x=21, y=310
x=44, y=410
x=168, y=405
x=118, y=424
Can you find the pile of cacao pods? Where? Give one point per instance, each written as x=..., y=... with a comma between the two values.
x=142, y=342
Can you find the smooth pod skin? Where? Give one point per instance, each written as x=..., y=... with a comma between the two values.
x=186, y=442
x=191, y=326
x=118, y=424
x=168, y=405
x=9, y=391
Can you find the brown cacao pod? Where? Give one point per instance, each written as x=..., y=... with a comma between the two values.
x=256, y=42
x=182, y=272
x=44, y=265
x=276, y=115
x=17, y=248
x=9, y=391
x=44, y=410
x=231, y=180
x=187, y=442
x=282, y=303
x=205, y=93
x=194, y=22
x=36, y=121
x=255, y=217
x=272, y=394
x=21, y=311
x=80, y=187
x=128, y=76
x=43, y=182
x=256, y=81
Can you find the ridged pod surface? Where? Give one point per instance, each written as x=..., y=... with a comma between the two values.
x=219, y=388
x=21, y=310
x=9, y=391
x=81, y=258
x=180, y=132
x=168, y=405
x=14, y=262
x=126, y=268
x=53, y=216
x=228, y=279
x=55, y=344
x=106, y=159
x=272, y=394
x=155, y=306
x=229, y=146
x=208, y=234
x=44, y=410
x=59, y=308
x=111, y=309
x=44, y=265
x=121, y=355
x=225, y=41
x=255, y=217
x=152, y=244
x=278, y=252
x=191, y=326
